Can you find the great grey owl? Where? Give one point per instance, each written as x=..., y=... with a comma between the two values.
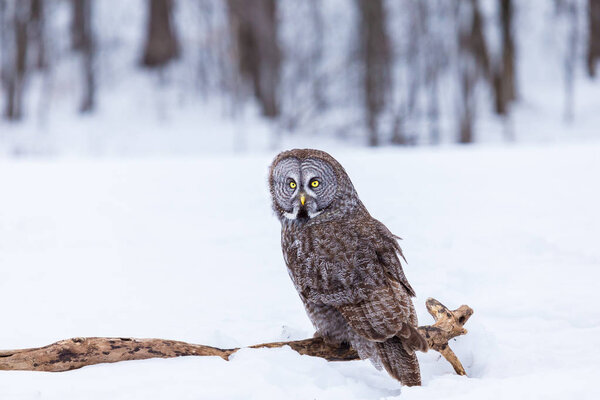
x=344, y=263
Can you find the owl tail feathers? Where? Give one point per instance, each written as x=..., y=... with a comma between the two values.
x=399, y=363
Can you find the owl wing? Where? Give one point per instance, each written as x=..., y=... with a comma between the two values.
x=388, y=312
x=381, y=316
x=367, y=286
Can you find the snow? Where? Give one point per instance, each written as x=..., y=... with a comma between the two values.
x=177, y=239
x=188, y=249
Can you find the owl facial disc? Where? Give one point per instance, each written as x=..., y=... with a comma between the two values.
x=302, y=188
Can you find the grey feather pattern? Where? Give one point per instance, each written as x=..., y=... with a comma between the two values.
x=345, y=264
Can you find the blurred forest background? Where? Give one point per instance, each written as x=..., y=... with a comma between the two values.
x=115, y=77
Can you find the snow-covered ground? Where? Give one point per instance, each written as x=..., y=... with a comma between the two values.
x=188, y=249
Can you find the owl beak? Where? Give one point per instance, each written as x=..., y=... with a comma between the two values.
x=302, y=199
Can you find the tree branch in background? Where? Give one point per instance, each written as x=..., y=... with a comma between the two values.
x=375, y=57
x=504, y=72
x=75, y=353
x=37, y=33
x=254, y=26
x=161, y=42
x=593, y=50
x=14, y=21
x=474, y=63
x=82, y=41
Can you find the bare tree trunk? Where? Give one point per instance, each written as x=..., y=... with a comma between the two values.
x=407, y=109
x=571, y=58
x=475, y=42
x=162, y=45
x=37, y=19
x=317, y=55
x=467, y=84
x=504, y=75
x=434, y=64
x=433, y=111
x=593, y=50
x=375, y=57
x=473, y=63
x=253, y=25
x=82, y=41
x=13, y=23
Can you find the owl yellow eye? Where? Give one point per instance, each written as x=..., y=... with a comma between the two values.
x=293, y=184
x=315, y=183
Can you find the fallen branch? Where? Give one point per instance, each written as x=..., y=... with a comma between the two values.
x=75, y=353
x=448, y=324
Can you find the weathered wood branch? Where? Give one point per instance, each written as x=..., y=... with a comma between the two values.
x=75, y=353
x=448, y=324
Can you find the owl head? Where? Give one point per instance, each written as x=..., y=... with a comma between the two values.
x=308, y=184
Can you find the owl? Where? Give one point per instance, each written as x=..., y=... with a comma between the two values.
x=344, y=263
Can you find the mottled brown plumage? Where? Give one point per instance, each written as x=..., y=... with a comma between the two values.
x=344, y=263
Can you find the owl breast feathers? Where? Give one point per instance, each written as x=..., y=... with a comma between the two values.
x=344, y=264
